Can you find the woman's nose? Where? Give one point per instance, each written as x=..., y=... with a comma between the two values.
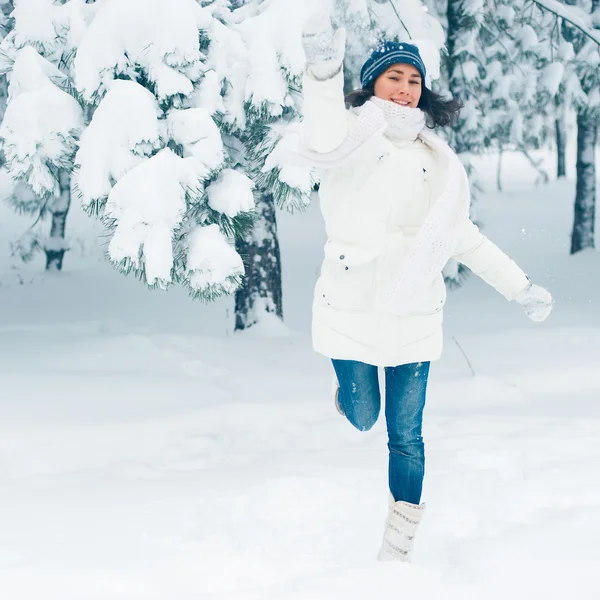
x=402, y=87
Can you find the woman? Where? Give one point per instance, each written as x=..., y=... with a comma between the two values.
x=395, y=199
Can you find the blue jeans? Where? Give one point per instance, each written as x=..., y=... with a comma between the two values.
x=405, y=391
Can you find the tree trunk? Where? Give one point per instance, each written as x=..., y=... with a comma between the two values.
x=261, y=291
x=561, y=165
x=55, y=247
x=561, y=140
x=585, y=196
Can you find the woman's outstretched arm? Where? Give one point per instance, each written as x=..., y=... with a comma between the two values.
x=325, y=118
x=485, y=259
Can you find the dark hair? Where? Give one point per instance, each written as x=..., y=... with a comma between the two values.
x=440, y=111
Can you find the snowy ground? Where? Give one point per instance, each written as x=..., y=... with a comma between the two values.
x=147, y=453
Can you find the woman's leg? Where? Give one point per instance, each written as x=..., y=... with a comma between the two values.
x=359, y=395
x=405, y=391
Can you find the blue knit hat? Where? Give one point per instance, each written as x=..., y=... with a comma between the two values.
x=387, y=54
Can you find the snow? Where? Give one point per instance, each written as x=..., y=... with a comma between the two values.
x=470, y=70
x=212, y=260
x=34, y=21
x=231, y=193
x=129, y=34
x=551, y=77
x=576, y=15
x=43, y=23
x=200, y=137
x=147, y=453
x=41, y=124
x=31, y=72
x=527, y=37
x=208, y=94
x=283, y=158
x=123, y=130
x=257, y=55
x=147, y=205
x=506, y=13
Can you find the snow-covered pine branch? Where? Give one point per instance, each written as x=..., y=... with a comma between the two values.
x=574, y=15
x=41, y=126
x=152, y=160
x=123, y=132
x=139, y=70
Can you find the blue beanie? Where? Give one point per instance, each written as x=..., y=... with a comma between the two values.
x=387, y=54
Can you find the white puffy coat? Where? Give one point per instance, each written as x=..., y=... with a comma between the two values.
x=373, y=206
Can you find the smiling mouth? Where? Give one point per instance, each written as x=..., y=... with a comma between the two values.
x=401, y=102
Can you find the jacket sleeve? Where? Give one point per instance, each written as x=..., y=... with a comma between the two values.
x=325, y=117
x=485, y=259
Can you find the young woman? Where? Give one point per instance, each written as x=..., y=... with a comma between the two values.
x=395, y=200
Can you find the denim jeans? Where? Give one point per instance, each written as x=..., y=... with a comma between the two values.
x=405, y=391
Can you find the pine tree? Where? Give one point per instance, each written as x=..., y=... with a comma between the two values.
x=150, y=158
x=576, y=35
x=42, y=122
x=532, y=59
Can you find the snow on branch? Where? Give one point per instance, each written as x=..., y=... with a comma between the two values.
x=128, y=36
x=123, y=131
x=147, y=206
x=231, y=194
x=41, y=125
x=50, y=28
x=195, y=131
x=573, y=15
x=213, y=265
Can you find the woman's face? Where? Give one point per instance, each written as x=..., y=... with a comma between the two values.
x=400, y=84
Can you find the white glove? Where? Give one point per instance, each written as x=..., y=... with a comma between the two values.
x=323, y=48
x=537, y=302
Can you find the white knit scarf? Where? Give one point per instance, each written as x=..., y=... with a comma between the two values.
x=439, y=235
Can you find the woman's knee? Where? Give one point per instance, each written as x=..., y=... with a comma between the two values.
x=364, y=406
x=359, y=397
x=365, y=419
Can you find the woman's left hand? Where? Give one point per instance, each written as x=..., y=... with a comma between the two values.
x=537, y=302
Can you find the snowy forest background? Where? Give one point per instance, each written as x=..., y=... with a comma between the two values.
x=161, y=121
x=166, y=431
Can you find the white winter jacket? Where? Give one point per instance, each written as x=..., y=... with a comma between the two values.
x=373, y=205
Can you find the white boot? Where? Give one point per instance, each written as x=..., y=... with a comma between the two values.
x=400, y=530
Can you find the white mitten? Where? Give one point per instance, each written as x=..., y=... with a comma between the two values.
x=537, y=302
x=323, y=48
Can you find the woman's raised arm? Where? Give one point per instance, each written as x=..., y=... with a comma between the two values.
x=325, y=118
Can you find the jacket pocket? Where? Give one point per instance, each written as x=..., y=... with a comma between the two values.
x=347, y=279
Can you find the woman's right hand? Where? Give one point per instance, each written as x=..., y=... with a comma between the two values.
x=324, y=48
